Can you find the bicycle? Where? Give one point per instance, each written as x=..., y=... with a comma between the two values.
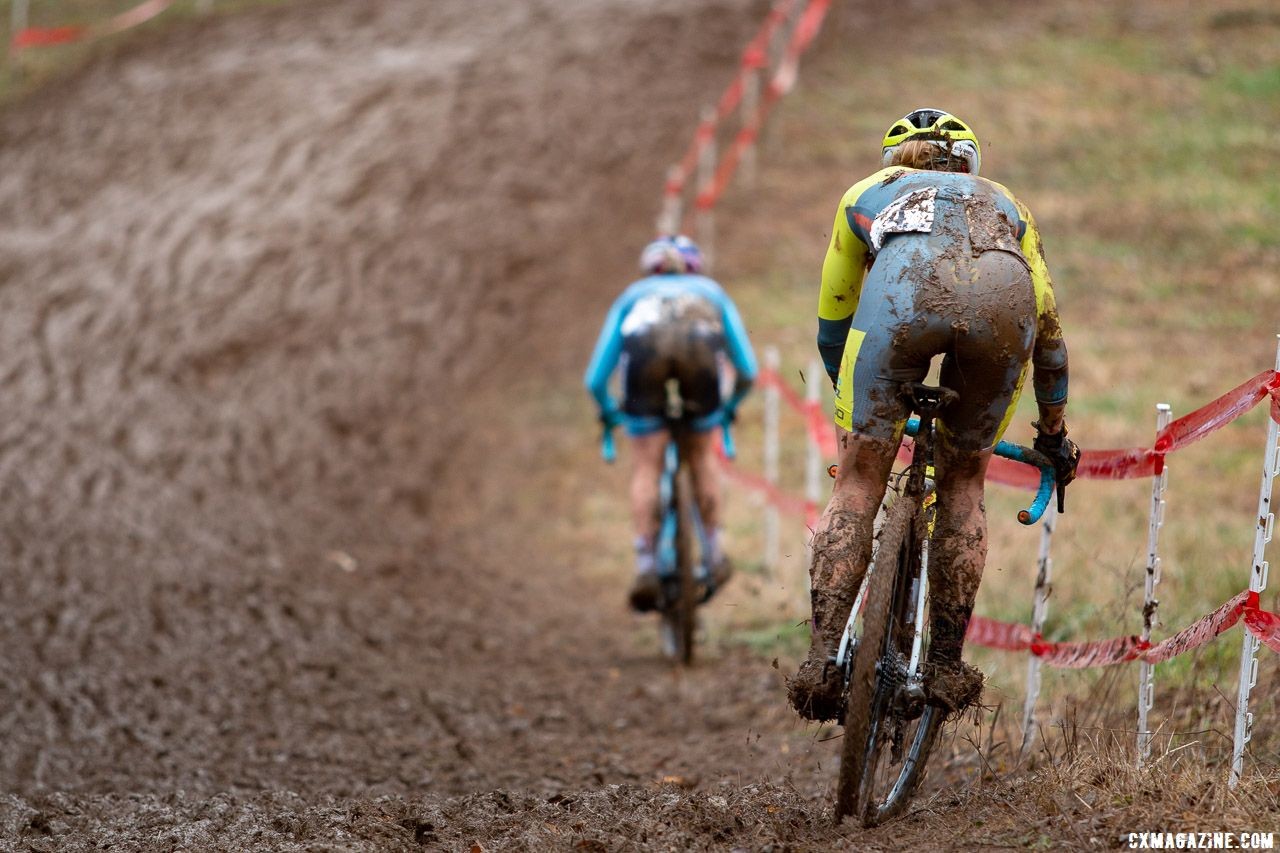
x=686, y=580
x=886, y=714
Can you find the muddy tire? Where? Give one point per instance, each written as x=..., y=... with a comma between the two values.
x=865, y=706
x=681, y=617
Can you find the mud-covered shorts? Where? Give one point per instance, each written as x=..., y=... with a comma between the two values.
x=678, y=341
x=930, y=294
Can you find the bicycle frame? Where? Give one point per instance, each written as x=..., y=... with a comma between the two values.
x=685, y=584
x=666, y=546
x=920, y=487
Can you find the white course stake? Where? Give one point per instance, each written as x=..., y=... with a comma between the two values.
x=749, y=112
x=1257, y=583
x=17, y=22
x=705, y=216
x=669, y=218
x=1039, y=610
x=813, y=453
x=772, y=360
x=1146, y=671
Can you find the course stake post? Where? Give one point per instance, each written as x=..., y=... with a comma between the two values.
x=1039, y=611
x=705, y=205
x=813, y=467
x=669, y=218
x=18, y=19
x=772, y=542
x=1146, y=671
x=1257, y=583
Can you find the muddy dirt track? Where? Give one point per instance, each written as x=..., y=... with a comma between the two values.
x=275, y=292
x=269, y=285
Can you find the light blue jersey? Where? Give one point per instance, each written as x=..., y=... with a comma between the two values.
x=633, y=311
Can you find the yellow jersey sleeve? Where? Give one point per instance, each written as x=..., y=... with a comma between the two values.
x=845, y=265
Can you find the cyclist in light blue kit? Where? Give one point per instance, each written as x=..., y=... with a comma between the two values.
x=674, y=324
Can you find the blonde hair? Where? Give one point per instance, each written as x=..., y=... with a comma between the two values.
x=923, y=154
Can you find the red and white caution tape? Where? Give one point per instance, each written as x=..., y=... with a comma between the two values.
x=783, y=81
x=1015, y=637
x=46, y=36
x=1144, y=462
x=772, y=493
x=754, y=57
x=817, y=424
x=1122, y=464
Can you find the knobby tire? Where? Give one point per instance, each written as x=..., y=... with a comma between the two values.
x=860, y=713
x=685, y=607
x=868, y=708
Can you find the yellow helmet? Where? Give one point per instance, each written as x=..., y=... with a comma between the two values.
x=942, y=128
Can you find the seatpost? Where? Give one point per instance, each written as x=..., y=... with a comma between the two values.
x=926, y=401
x=915, y=474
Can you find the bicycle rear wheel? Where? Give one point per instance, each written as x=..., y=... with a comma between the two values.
x=679, y=616
x=897, y=757
x=885, y=748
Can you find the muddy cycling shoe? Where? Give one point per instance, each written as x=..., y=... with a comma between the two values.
x=816, y=691
x=952, y=686
x=721, y=572
x=646, y=589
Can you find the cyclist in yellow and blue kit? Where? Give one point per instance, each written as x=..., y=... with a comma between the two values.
x=675, y=326
x=927, y=259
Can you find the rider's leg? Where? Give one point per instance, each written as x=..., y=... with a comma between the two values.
x=647, y=452
x=700, y=450
x=986, y=366
x=884, y=348
x=956, y=558
x=841, y=553
x=698, y=369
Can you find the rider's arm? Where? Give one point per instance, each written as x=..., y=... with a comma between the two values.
x=843, y=270
x=605, y=357
x=740, y=353
x=1050, y=355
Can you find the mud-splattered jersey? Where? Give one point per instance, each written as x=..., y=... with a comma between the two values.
x=897, y=200
x=651, y=301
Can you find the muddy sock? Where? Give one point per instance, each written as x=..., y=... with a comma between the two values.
x=714, y=554
x=830, y=615
x=946, y=640
x=646, y=556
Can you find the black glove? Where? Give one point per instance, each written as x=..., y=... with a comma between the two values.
x=1063, y=453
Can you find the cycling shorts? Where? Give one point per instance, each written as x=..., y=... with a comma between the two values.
x=930, y=294
x=671, y=366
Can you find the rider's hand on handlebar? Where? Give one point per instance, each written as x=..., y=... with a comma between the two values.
x=611, y=418
x=1063, y=453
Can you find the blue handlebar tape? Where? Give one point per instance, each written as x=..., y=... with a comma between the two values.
x=608, y=451
x=730, y=450
x=1018, y=453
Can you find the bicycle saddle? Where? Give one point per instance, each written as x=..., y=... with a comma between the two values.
x=927, y=399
